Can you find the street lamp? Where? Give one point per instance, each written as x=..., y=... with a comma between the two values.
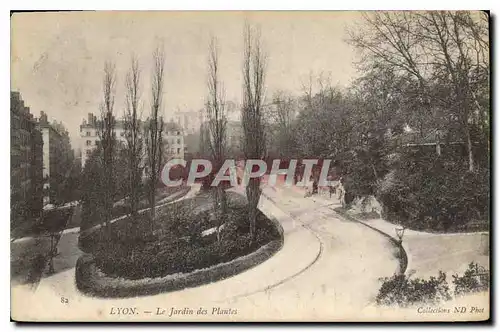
x=400, y=231
x=53, y=252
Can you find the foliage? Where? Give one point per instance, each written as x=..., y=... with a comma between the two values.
x=154, y=129
x=133, y=135
x=217, y=123
x=475, y=279
x=403, y=291
x=91, y=189
x=280, y=124
x=413, y=132
x=252, y=115
x=92, y=186
x=430, y=193
x=172, y=248
x=106, y=149
x=54, y=221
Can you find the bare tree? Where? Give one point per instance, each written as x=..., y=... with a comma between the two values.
x=202, y=143
x=254, y=141
x=154, y=129
x=106, y=134
x=447, y=50
x=281, y=117
x=217, y=121
x=133, y=134
x=318, y=97
x=285, y=111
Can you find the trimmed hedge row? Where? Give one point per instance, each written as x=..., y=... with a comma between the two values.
x=93, y=282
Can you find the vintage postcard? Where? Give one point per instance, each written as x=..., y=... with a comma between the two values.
x=246, y=166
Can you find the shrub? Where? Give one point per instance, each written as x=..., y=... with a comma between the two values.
x=403, y=291
x=430, y=193
x=173, y=245
x=475, y=279
x=93, y=212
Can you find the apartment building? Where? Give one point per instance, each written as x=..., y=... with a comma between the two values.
x=57, y=156
x=173, y=138
x=26, y=162
x=189, y=121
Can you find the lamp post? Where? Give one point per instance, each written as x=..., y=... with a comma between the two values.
x=400, y=231
x=53, y=252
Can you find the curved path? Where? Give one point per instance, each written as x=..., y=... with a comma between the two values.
x=328, y=269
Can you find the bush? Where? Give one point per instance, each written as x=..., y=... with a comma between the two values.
x=93, y=210
x=402, y=291
x=436, y=194
x=475, y=279
x=174, y=244
x=90, y=281
x=54, y=220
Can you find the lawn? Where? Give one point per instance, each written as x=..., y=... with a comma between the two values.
x=91, y=215
x=54, y=221
x=28, y=260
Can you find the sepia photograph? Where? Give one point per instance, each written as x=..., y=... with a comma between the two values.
x=250, y=166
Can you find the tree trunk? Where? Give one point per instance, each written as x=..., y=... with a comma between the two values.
x=253, y=195
x=375, y=174
x=152, y=204
x=220, y=208
x=469, y=149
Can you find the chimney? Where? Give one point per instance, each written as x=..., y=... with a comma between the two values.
x=43, y=117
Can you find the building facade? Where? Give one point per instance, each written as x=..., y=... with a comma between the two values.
x=234, y=138
x=173, y=138
x=189, y=121
x=57, y=157
x=26, y=163
x=174, y=141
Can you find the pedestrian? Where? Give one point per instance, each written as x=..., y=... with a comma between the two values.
x=331, y=187
x=315, y=186
x=341, y=192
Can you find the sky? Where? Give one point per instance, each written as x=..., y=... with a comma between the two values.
x=57, y=59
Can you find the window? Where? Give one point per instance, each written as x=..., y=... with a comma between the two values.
x=178, y=150
x=88, y=152
x=88, y=133
x=178, y=133
x=178, y=141
x=89, y=142
x=122, y=134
